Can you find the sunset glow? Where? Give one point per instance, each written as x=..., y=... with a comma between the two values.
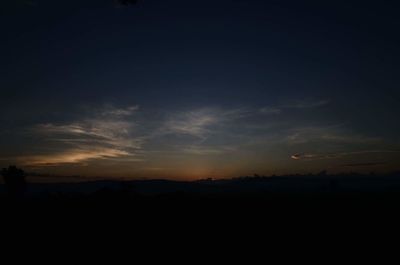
x=179, y=90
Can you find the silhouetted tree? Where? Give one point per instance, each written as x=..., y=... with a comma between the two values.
x=14, y=179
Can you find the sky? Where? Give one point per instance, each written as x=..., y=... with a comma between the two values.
x=199, y=89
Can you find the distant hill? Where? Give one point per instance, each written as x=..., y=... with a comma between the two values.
x=297, y=183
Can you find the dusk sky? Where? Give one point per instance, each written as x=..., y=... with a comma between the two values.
x=186, y=89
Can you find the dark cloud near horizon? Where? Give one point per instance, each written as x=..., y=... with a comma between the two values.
x=369, y=164
x=304, y=156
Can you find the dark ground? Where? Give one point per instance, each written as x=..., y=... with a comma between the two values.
x=258, y=219
x=282, y=201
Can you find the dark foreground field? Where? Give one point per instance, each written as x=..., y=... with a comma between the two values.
x=208, y=216
x=292, y=200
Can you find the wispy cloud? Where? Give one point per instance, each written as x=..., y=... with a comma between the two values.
x=202, y=122
x=122, y=135
x=195, y=123
x=108, y=135
x=270, y=110
x=112, y=111
x=306, y=104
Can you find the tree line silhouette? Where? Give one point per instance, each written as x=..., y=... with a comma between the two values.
x=14, y=180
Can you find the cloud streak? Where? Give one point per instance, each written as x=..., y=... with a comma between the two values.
x=335, y=134
x=307, y=104
x=298, y=105
x=369, y=164
x=74, y=156
x=204, y=150
x=308, y=156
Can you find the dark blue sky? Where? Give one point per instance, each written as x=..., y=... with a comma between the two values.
x=299, y=67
